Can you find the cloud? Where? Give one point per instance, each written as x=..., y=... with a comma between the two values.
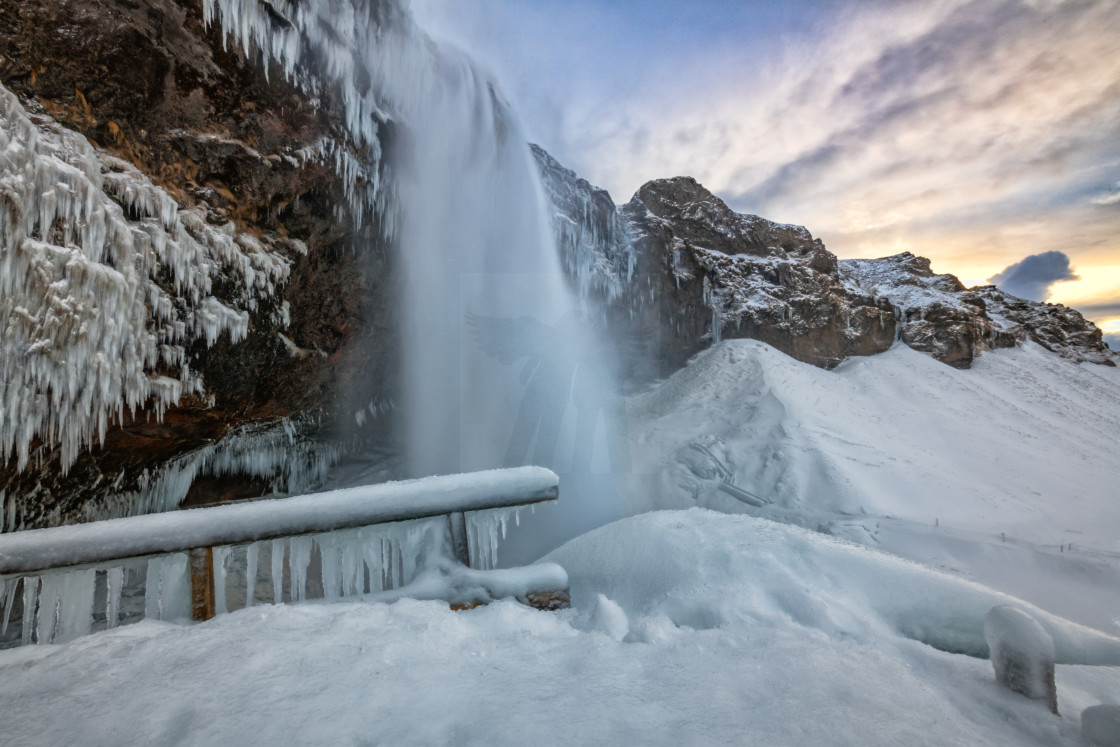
x=1111, y=197
x=1113, y=341
x=1104, y=310
x=1031, y=277
x=971, y=132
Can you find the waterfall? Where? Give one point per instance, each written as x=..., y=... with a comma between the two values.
x=457, y=193
x=432, y=156
x=476, y=242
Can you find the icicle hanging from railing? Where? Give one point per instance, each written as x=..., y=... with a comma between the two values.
x=251, y=572
x=299, y=558
x=114, y=585
x=221, y=554
x=30, y=604
x=485, y=530
x=167, y=588
x=278, y=570
x=9, y=597
x=47, y=616
x=351, y=562
x=75, y=605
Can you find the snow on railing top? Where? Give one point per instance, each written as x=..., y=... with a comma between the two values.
x=59, y=547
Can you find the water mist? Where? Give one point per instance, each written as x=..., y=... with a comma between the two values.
x=493, y=338
x=496, y=354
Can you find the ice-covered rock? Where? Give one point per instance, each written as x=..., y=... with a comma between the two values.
x=591, y=237
x=1022, y=654
x=1100, y=725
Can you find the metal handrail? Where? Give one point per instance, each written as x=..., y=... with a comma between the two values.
x=156, y=534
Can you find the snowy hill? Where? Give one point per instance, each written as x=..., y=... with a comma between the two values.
x=1005, y=472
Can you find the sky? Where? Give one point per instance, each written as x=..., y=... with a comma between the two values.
x=982, y=134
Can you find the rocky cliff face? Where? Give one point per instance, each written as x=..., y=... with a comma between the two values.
x=250, y=156
x=954, y=324
x=699, y=271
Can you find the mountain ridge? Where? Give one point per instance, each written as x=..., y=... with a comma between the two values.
x=705, y=272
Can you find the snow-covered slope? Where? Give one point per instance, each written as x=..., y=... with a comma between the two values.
x=698, y=626
x=690, y=627
x=1006, y=472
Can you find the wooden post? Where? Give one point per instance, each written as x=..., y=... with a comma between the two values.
x=460, y=545
x=202, y=583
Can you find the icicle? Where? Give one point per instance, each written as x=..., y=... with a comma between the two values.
x=352, y=576
x=114, y=585
x=221, y=554
x=167, y=587
x=9, y=596
x=30, y=604
x=50, y=597
x=153, y=589
x=299, y=558
x=486, y=529
x=278, y=571
x=75, y=607
x=399, y=581
x=84, y=341
x=374, y=557
x=330, y=561
x=251, y=572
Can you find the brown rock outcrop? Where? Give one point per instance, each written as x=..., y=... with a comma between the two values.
x=954, y=324
x=683, y=270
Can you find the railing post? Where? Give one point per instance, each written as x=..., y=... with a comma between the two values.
x=202, y=583
x=460, y=545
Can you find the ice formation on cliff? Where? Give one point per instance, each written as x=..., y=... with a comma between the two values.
x=104, y=281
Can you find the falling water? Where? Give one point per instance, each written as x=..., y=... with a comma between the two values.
x=500, y=368
x=476, y=242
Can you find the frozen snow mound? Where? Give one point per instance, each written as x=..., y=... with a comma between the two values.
x=1020, y=444
x=700, y=569
x=1002, y=473
x=691, y=627
x=1100, y=725
x=1022, y=653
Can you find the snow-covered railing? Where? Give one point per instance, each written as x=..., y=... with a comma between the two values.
x=342, y=523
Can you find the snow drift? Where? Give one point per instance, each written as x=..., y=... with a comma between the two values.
x=740, y=631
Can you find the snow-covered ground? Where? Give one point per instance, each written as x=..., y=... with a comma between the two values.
x=700, y=626
x=689, y=627
x=1006, y=473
